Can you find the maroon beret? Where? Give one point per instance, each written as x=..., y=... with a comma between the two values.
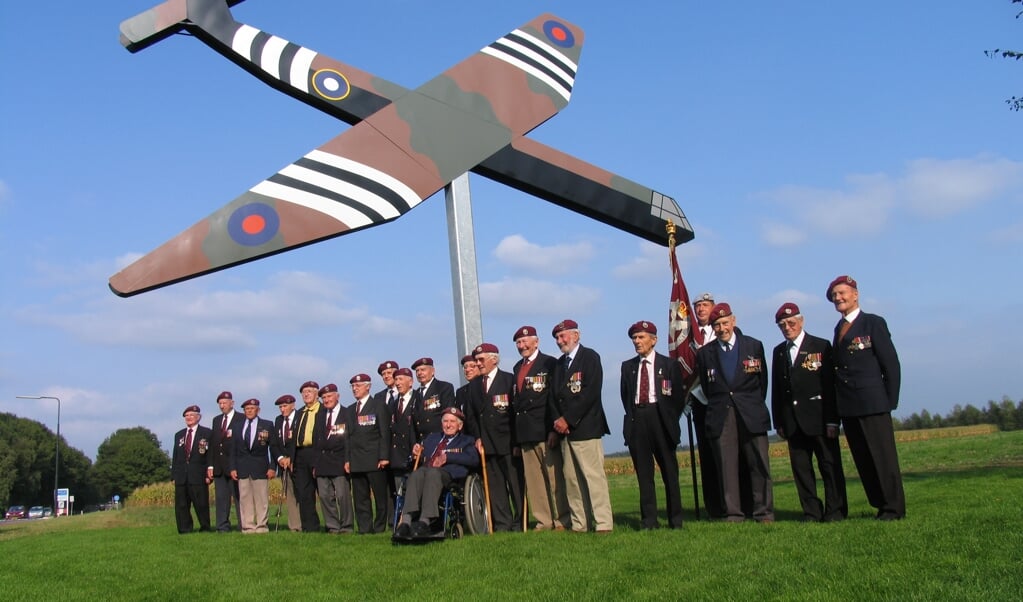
x=525, y=331
x=328, y=388
x=721, y=310
x=423, y=361
x=388, y=365
x=840, y=280
x=647, y=327
x=360, y=378
x=309, y=383
x=786, y=311
x=250, y=402
x=284, y=399
x=225, y=395
x=564, y=325
x=468, y=358
x=485, y=348
x=454, y=412
x=403, y=372
x=191, y=409
x=704, y=298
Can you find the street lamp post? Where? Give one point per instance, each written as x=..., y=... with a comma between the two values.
x=56, y=457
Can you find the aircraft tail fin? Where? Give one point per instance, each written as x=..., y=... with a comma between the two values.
x=160, y=22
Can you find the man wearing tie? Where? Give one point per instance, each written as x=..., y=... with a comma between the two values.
x=867, y=378
x=471, y=370
x=305, y=456
x=432, y=397
x=252, y=467
x=578, y=381
x=389, y=393
x=284, y=426
x=445, y=456
x=369, y=448
x=226, y=426
x=653, y=389
x=333, y=446
x=698, y=405
x=805, y=415
x=534, y=433
x=189, y=474
x=733, y=374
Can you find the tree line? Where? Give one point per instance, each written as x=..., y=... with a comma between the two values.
x=1006, y=415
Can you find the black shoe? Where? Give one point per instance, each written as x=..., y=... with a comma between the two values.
x=404, y=531
x=420, y=528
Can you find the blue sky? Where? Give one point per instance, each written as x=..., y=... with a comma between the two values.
x=803, y=140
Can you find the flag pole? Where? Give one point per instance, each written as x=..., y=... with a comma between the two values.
x=670, y=227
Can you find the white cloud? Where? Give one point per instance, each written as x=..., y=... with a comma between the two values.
x=938, y=188
x=652, y=261
x=782, y=235
x=518, y=253
x=511, y=296
x=1010, y=234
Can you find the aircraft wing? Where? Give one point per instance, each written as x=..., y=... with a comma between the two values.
x=379, y=169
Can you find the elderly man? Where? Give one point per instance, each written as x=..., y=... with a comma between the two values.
x=733, y=374
x=445, y=456
x=333, y=446
x=305, y=456
x=226, y=426
x=253, y=466
x=491, y=419
x=284, y=427
x=867, y=377
x=698, y=405
x=578, y=380
x=403, y=431
x=653, y=390
x=471, y=370
x=389, y=393
x=805, y=415
x=534, y=433
x=189, y=474
x=368, y=455
x=432, y=397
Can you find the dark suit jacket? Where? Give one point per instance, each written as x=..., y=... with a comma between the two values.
x=285, y=449
x=430, y=404
x=803, y=394
x=332, y=445
x=403, y=434
x=462, y=397
x=370, y=439
x=221, y=446
x=670, y=391
x=461, y=454
x=867, y=370
x=255, y=461
x=490, y=416
x=582, y=409
x=534, y=408
x=192, y=471
x=748, y=392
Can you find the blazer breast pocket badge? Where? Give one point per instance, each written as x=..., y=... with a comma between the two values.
x=751, y=365
x=433, y=403
x=813, y=362
x=575, y=382
x=665, y=387
x=500, y=402
x=367, y=420
x=860, y=343
x=537, y=382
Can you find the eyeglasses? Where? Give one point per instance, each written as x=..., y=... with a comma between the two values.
x=788, y=323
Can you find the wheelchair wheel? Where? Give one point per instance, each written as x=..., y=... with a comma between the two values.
x=475, y=502
x=456, y=531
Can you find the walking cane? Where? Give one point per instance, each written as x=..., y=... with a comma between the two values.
x=280, y=505
x=692, y=461
x=525, y=510
x=486, y=490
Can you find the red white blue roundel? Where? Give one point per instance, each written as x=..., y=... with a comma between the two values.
x=253, y=224
x=559, y=34
x=331, y=85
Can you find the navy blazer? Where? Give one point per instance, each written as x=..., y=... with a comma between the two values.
x=460, y=454
x=191, y=471
x=430, y=405
x=253, y=462
x=370, y=439
x=221, y=446
x=490, y=416
x=403, y=434
x=331, y=445
x=582, y=408
x=670, y=392
x=803, y=394
x=533, y=405
x=867, y=370
x=286, y=449
x=747, y=394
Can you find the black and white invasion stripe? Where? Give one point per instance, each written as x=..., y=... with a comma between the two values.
x=280, y=58
x=538, y=58
x=355, y=194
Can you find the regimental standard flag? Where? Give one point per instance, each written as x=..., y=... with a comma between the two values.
x=682, y=338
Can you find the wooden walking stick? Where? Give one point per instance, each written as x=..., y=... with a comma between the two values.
x=486, y=490
x=525, y=511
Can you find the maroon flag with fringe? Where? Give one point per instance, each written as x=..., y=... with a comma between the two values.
x=683, y=339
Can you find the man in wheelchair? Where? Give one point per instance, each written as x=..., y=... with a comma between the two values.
x=443, y=457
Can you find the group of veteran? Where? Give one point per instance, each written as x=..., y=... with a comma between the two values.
x=538, y=427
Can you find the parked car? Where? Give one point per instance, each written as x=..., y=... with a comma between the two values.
x=47, y=512
x=16, y=512
x=36, y=512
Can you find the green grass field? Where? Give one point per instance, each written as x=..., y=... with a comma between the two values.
x=962, y=540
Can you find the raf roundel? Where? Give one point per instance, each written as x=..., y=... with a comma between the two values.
x=253, y=224
x=557, y=33
x=331, y=84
